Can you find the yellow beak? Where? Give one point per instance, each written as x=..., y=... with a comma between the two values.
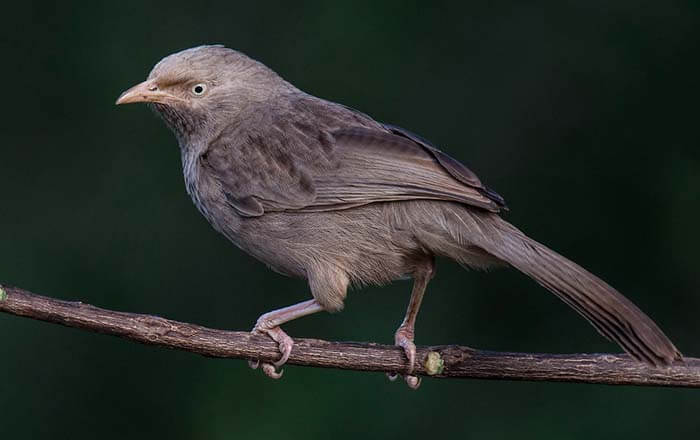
x=147, y=91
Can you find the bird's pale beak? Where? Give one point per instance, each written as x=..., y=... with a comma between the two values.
x=147, y=91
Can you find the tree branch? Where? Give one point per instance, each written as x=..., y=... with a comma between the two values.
x=458, y=361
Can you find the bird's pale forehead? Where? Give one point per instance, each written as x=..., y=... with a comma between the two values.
x=204, y=62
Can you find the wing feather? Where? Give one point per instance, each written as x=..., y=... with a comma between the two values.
x=378, y=166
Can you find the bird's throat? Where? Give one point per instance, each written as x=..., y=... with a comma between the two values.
x=183, y=122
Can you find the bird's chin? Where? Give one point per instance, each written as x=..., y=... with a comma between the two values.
x=181, y=120
x=157, y=106
x=159, y=109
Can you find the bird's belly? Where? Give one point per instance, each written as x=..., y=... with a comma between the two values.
x=366, y=247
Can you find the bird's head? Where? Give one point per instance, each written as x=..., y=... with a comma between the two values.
x=196, y=90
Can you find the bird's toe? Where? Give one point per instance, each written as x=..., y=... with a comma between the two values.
x=413, y=382
x=405, y=341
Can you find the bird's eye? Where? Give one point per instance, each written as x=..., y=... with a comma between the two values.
x=199, y=89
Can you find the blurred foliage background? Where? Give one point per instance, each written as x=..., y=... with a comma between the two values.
x=582, y=114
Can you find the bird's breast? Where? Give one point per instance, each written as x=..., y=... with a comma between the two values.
x=207, y=196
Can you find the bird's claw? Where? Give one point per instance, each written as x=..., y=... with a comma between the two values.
x=285, y=344
x=413, y=382
x=271, y=371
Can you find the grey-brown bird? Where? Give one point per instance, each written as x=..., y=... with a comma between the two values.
x=317, y=190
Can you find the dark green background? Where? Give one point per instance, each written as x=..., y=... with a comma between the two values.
x=583, y=115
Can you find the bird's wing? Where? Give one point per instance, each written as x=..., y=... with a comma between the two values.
x=300, y=167
x=381, y=166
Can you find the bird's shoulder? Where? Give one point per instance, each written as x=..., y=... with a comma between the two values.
x=267, y=158
x=296, y=130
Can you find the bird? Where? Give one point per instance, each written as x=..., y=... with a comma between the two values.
x=318, y=190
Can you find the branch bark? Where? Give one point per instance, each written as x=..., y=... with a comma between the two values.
x=460, y=362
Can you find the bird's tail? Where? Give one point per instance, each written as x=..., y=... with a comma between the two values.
x=613, y=315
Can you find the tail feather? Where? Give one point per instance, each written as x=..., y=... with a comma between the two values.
x=613, y=315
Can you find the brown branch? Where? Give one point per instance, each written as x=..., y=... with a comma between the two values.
x=458, y=361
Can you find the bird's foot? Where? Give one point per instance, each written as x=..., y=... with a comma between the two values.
x=269, y=324
x=404, y=339
x=285, y=344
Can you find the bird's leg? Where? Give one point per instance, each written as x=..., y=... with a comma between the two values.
x=269, y=324
x=406, y=331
